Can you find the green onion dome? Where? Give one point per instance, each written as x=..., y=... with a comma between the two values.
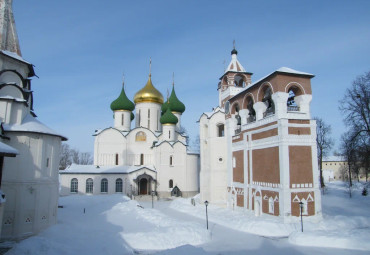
x=175, y=104
x=168, y=117
x=122, y=102
x=132, y=116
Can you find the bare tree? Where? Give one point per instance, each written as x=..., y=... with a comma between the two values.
x=85, y=158
x=324, y=143
x=348, y=148
x=195, y=146
x=69, y=156
x=65, y=157
x=355, y=106
x=184, y=132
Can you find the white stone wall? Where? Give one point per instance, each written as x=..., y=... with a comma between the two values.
x=147, y=115
x=213, y=173
x=30, y=182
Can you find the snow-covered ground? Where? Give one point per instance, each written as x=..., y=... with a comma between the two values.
x=113, y=224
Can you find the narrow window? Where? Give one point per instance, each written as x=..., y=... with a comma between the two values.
x=171, y=160
x=141, y=159
x=170, y=185
x=158, y=114
x=89, y=186
x=169, y=134
x=104, y=186
x=220, y=130
x=116, y=159
x=119, y=185
x=122, y=119
x=47, y=162
x=74, y=185
x=139, y=120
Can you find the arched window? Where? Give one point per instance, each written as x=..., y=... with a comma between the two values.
x=116, y=159
x=170, y=184
x=271, y=205
x=119, y=185
x=74, y=185
x=220, y=130
x=252, y=113
x=239, y=81
x=89, y=186
x=104, y=186
x=267, y=99
x=122, y=119
x=140, y=136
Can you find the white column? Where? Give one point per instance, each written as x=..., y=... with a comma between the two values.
x=303, y=102
x=260, y=108
x=280, y=100
x=244, y=115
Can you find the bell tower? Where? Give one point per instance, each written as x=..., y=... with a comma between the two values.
x=233, y=80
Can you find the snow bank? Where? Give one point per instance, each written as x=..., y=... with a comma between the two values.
x=356, y=239
x=265, y=225
x=157, y=231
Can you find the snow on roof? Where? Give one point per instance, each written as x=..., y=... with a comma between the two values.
x=13, y=98
x=290, y=70
x=31, y=124
x=281, y=70
x=6, y=149
x=15, y=56
x=333, y=158
x=214, y=110
x=91, y=169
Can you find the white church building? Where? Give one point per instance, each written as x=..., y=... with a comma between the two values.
x=29, y=150
x=151, y=157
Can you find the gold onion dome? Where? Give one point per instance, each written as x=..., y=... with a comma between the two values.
x=148, y=94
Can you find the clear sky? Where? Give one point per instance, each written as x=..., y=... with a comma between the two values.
x=81, y=48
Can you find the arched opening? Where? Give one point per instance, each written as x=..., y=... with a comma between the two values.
x=176, y=192
x=267, y=99
x=119, y=185
x=143, y=186
x=239, y=81
x=170, y=184
x=291, y=103
x=89, y=186
x=235, y=110
x=104, y=186
x=252, y=113
x=221, y=130
x=74, y=185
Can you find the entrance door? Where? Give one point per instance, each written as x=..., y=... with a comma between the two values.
x=143, y=187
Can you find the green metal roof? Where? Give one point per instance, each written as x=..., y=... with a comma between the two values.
x=122, y=102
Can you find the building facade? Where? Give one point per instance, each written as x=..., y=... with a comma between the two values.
x=151, y=157
x=29, y=180
x=270, y=141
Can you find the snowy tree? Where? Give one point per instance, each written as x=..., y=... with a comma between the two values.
x=69, y=156
x=324, y=143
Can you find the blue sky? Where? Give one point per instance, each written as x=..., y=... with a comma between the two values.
x=80, y=50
